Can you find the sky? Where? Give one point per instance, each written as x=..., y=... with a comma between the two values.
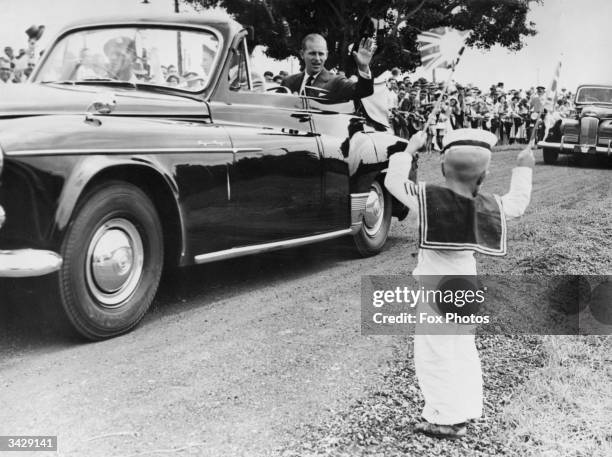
x=573, y=31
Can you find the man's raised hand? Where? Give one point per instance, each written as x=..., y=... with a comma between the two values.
x=363, y=56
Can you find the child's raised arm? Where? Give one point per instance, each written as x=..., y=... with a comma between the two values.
x=396, y=180
x=515, y=202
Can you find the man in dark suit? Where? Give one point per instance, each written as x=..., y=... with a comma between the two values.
x=317, y=81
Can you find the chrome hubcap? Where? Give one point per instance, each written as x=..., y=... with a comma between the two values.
x=114, y=262
x=374, y=210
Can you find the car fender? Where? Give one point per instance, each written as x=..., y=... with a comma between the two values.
x=61, y=175
x=91, y=168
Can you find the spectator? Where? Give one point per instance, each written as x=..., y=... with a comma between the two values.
x=536, y=102
x=29, y=69
x=563, y=108
x=503, y=120
x=455, y=113
x=173, y=80
x=401, y=94
x=391, y=93
x=5, y=71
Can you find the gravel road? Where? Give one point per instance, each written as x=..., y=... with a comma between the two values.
x=239, y=357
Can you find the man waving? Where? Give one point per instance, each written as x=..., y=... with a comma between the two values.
x=317, y=81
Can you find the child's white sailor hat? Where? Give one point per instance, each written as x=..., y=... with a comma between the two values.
x=469, y=137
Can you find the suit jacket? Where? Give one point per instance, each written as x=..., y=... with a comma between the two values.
x=334, y=88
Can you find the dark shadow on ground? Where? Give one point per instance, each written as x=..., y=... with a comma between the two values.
x=31, y=317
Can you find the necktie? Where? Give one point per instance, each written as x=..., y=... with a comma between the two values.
x=309, y=82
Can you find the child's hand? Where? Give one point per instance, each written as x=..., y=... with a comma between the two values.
x=526, y=158
x=417, y=141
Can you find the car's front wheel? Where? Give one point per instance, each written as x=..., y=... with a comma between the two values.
x=374, y=231
x=550, y=156
x=113, y=256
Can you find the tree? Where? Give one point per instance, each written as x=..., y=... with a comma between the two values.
x=280, y=25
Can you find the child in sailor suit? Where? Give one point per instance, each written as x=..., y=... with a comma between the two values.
x=455, y=220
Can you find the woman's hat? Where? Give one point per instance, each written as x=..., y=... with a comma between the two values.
x=35, y=33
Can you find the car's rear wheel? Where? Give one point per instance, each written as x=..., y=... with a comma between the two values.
x=374, y=231
x=550, y=156
x=113, y=255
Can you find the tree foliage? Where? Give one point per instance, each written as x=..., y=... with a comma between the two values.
x=281, y=24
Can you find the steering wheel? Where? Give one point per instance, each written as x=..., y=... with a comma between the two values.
x=279, y=90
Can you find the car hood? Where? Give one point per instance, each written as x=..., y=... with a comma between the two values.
x=27, y=99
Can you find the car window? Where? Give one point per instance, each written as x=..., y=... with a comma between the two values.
x=239, y=68
x=172, y=58
x=594, y=95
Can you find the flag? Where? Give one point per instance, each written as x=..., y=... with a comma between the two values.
x=441, y=47
x=551, y=96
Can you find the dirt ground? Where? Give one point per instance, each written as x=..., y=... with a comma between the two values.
x=235, y=358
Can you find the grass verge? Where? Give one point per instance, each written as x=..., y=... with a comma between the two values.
x=565, y=408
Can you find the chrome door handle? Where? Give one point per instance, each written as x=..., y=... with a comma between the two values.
x=302, y=117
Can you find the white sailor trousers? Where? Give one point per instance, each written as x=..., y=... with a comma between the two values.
x=448, y=370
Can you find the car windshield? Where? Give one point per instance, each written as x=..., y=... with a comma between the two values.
x=594, y=95
x=169, y=58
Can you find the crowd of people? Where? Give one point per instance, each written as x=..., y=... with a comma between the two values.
x=510, y=114
x=16, y=67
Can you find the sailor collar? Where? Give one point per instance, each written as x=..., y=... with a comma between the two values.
x=449, y=221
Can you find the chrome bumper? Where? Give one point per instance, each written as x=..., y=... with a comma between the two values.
x=578, y=148
x=21, y=263
x=358, y=207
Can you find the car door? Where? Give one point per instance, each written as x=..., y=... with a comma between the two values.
x=276, y=174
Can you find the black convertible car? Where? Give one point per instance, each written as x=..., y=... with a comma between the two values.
x=140, y=142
